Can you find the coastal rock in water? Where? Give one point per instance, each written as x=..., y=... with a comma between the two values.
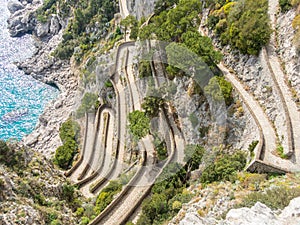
x=21, y=22
x=14, y=6
x=52, y=26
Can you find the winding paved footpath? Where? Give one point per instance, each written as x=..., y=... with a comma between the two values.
x=103, y=163
x=265, y=124
x=144, y=182
x=88, y=148
x=268, y=131
x=112, y=172
x=122, y=211
x=98, y=148
x=281, y=80
x=146, y=175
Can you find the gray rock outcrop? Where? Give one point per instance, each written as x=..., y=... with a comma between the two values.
x=141, y=8
x=259, y=214
x=14, y=6
x=21, y=22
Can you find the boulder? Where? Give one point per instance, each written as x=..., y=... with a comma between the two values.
x=258, y=214
x=21, y=22
x=14, y=5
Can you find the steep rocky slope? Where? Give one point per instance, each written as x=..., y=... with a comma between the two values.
x=33, y=191
x=220, y=203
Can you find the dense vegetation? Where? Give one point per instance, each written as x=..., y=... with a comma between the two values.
x=69, y=133
x=160, y=148
x=131, y=23
x=275, y=198
x=180, y=24
x=80, y=32
x=169, y=193
x=139, y=124
x=243, y=24
x=151, y=105
x=167, y=196
x=223, y=167
x=35, y=184
x=106, y=196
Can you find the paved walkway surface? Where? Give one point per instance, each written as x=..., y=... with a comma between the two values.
x=88, y=148
x=282, y=81
x=103, y=155
x=267, y=128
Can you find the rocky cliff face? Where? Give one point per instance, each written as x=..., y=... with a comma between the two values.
x=257, y=214
x=34, y=192
x=141, y=8
x=217, y=204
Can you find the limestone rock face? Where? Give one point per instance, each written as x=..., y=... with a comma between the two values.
x=291, y=214
x=42, y=29
x=55, y=25
x=141, y=8
x=257, y=214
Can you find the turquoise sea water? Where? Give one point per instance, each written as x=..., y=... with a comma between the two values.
x=18, y=92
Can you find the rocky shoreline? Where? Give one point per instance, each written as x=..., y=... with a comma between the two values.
x=45, y=68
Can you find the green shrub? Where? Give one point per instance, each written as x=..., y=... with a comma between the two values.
x=161, y=148
x=40, y=199
x=56, y=222
x=151, y=105
x=105, y=197
x=220, y=90
x=68, y=192
x=51, y=216
x=12, y=156
x=6, y=154
x=224, y=167
x=64, y=154
x=280, y=152
x=193, y=156
x=203, y=131
x=108, y=84
x=252, y=147
x=144, y=69
x=167, y=196
x=69, y=130
x=79, y=211
x=247, y=26
x=285, y=5
x=139, y=124
x=84, y=221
